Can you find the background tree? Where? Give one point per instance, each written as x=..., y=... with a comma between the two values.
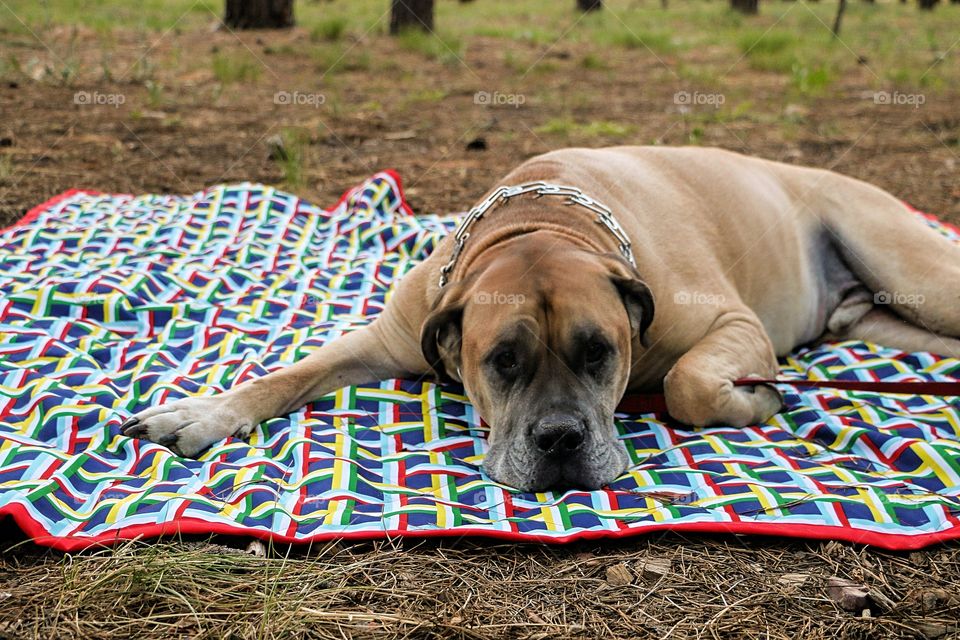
x=259, y=14
x=589, y=5
x=927, y=4
x=841, y=7
x=745, y=6
x=411, y=13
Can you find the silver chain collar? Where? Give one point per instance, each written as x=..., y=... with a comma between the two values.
x=502, y=194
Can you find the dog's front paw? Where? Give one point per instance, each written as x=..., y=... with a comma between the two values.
x=188, y=426
x=697, y=398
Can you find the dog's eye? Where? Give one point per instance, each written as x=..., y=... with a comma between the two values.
x=506, y=361
x=595, y=352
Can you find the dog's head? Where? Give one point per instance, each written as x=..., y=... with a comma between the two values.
x=542, y=339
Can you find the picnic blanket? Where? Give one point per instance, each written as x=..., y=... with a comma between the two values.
x=113, y=303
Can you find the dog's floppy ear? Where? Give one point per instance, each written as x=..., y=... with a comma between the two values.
x=639, y=303
x=636, y=295
x=441, y=335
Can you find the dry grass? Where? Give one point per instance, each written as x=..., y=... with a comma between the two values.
x=725, y=587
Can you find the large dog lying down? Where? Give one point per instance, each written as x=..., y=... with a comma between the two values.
x=542, y=315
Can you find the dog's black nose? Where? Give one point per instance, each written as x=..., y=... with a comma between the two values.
x=558, y=434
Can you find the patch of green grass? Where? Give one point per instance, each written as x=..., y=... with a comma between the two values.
x=699, y=75
x=329, y=29
x=491, y=31
x=514, y=62
x=721, y=114
x=63, y=73
x=423, y=96
x=781, y=62
x=334, y=105
x=442, y=48
x=770, y=51
x=914, y=78
x=106, y=70
x=106, y=15
x=523, y=33
x=606, y=128
x=6, y=167
x=891, y=36
x=592, y=129
x=281, y=49
x=291, y=156
x=10, y=67
x=154, y=94
x=371, y=105
x=235, y=67
x=542, y=67
x=810, y=80
x=335, y=59
x=742, y=110
x=901, y=76
x=143, y=69
x=593, y=61
x=769, y=42
x=557, y=126
x=430, y=95
x=655, y=41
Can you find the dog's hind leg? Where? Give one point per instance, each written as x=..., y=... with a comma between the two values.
x=890, y=330
x=912, y=269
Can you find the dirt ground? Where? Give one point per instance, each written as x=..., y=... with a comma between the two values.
x=177, y=114
x=182, y=128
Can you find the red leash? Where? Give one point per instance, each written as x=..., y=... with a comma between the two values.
x=655, y=402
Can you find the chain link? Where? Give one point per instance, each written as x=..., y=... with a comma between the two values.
x=502, y=194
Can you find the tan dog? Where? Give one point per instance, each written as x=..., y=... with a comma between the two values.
x=546, y=323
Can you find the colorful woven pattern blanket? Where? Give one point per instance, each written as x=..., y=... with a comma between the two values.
x=112, y=303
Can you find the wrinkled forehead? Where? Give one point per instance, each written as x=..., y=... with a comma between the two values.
x=551, y=303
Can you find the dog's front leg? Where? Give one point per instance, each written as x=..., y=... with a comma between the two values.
x=188, y=426
x=699, y=388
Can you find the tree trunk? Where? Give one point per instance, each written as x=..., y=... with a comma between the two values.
x=411, y=13
x=259, y=14
x=836, y=22
x=745, y=6
x=589, y=5
x=927, y=4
